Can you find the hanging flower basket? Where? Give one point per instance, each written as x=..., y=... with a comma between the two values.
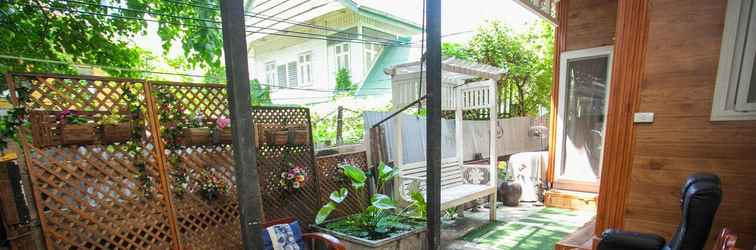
x=115, y=133
x=78, y=134
x=288, y=136
x=196, y=136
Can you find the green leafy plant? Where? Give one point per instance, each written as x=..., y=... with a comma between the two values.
x=382, y=218
x=15, y=118
x=344, y=83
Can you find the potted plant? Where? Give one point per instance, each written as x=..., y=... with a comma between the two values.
x=222, y=131
x=76, y=129
x=382, y=224
x=114, y=129
x=509, y=191
x=195, y=132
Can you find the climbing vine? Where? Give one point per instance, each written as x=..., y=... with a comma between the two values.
x=15, y=118
x=134, y=146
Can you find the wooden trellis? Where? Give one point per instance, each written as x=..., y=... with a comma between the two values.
x=331, y=179
x=101, y=195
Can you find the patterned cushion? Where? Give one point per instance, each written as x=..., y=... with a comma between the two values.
x=283, y=237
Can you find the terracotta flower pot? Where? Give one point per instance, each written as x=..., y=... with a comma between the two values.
x=196, y=136
x=78, y=134
x=115, y=133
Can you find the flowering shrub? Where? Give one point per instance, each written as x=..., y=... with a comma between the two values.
x=293, y=179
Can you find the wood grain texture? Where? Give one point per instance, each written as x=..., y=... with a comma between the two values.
x=559, y=47
x=627, y=73
x=591, y=23
x=684, y=38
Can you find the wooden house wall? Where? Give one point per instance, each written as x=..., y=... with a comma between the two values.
x=682, y=55
x=684, y=39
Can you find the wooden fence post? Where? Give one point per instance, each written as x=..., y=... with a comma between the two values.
x=340, y=126
x=154, y=127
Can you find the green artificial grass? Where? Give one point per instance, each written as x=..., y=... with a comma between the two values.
x=540, y=230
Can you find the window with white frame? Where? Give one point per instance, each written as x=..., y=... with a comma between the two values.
x=281, y=74
x=372, y=51
x=305, y=68
x=735, y=91
x=270, y=73
x=293, y=74
x=342, y=56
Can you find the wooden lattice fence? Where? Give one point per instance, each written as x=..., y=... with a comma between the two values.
x=331, y=178
x=143, y=190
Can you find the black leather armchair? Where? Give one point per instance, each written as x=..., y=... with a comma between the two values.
x=701, y=196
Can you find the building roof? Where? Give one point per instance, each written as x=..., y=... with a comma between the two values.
x=377, y=82
x=453, y=68
x=274, y=15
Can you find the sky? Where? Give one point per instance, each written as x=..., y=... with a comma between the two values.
x=460, y=15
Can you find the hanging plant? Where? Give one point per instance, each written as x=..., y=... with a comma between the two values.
x=15, y=118
x=113, y=129
x=294, y=178
x=211, y=187
x=222, y=131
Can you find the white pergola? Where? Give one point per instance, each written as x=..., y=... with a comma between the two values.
x=465, y=86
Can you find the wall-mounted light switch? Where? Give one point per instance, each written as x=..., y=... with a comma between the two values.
x=644, y=117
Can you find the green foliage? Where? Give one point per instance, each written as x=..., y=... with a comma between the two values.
x=260, y=95
x=380, y=219
x=324, y=128
x=527, y=57
x=418, y=208
x=344, y=82
x=70, y=31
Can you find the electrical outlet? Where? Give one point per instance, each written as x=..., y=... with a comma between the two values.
x=644, y=117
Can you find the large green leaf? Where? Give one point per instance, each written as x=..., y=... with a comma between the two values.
x=382, y=201
x=324, y=212
x=339, y=195
x=386, y=173
x=355, y=174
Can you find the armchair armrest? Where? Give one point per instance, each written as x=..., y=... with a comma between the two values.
x=613, y=239
x=331, y=242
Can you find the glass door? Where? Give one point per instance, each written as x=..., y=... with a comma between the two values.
x=583, y=98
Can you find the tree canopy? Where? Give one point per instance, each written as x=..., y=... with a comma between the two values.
x=526, y=56
x=101, y=32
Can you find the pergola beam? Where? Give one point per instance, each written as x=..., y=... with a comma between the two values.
x=245, y=152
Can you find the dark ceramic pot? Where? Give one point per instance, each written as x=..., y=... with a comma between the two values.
x=510, y=193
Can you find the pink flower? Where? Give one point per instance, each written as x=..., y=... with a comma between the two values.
x=223, y=122
x=290, y=176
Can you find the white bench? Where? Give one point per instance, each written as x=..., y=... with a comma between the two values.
x=456, y=190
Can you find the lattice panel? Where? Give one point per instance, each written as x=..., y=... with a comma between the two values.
x=203, y=223
x=91, y=196
x=331, y=179
x=279, y=203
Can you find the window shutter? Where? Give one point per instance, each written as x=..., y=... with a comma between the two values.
x=281, y=75
x=293, y=76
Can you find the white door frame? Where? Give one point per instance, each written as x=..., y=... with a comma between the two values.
x=564, y=58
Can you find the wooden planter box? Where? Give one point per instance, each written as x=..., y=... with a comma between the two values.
x=196, y=136
x=288, y=136
x=222, y=136
x=78, y=134
x=114, y=133
x=410, y=240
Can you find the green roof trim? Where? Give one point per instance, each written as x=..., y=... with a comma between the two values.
x=377, y=82
x=379, y=14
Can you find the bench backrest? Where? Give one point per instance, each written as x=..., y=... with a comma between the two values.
x=451, y=173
